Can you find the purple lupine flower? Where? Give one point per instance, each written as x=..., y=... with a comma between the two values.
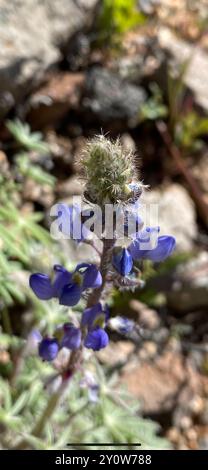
x=165, y=246
x=72, y=337
x=136, y=190
x=67, y=286
x=89, y=381
x=95, y=316
x=93, y=393
x=95, y=319
x=122, y=324
x=122, y=261
x=33, y=340
x=148, y=237
x=48, y=349
x=96, y=339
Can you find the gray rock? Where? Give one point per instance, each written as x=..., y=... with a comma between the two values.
x=190, y=285
x=31, y=32
x=109, y=97
x=148, y=6
x=197, y=64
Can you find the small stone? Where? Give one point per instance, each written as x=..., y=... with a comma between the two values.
x=185, y=422
x=108, y=97
x=196, y=73
x=190, y=285
x=191, y=434
x=147, y=317
x=40, y=193
x=116, y=353
x=173, y=435
x=150, y=348
x=32, y=33
x=69, y=188
x=50, y=103
x=155, y=384
x=196, y=405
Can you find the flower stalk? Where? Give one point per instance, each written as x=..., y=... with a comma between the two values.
x=110, y=179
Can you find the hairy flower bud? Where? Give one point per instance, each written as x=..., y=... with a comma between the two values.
x=109, y=171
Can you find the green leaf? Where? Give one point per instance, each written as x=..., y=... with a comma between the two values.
x=22, y=133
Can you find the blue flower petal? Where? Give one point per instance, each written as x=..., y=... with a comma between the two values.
x=122, y=324
x=93, y=315
x=70, y=295
x=96, y=339
x=122, y=261
x=62, y=278
x=92, y=278
x=48, y=349
x=165, y=247
x=149, y=235
x=90, y=314
x=72, y=337
x=41, y=286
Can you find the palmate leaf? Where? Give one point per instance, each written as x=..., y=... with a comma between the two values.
x=24, y=228
x=19, y=234
x=33, y=171
x=12, y=246
x=119, y=425
x=30, y=140
x=8, y=289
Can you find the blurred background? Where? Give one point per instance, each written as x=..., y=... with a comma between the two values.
x=70, y=69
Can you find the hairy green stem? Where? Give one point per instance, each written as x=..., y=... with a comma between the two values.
x=96, y=294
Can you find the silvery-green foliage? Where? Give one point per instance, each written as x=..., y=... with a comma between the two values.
x=29, y=140
x=113, y=418
x=20, y=231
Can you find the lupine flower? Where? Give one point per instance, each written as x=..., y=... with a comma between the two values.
x=67, y=286
x=48, y=349
x=122, y=261
x=148, y=237
x=165, y=246
x=89, y=382
x=95, y=316
x=33, y=341
x=121, y=324
x=72, y=337
x=93, y=393
x=110, y=178
x=135, y=189
x=96, y=339
x=94, y=319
